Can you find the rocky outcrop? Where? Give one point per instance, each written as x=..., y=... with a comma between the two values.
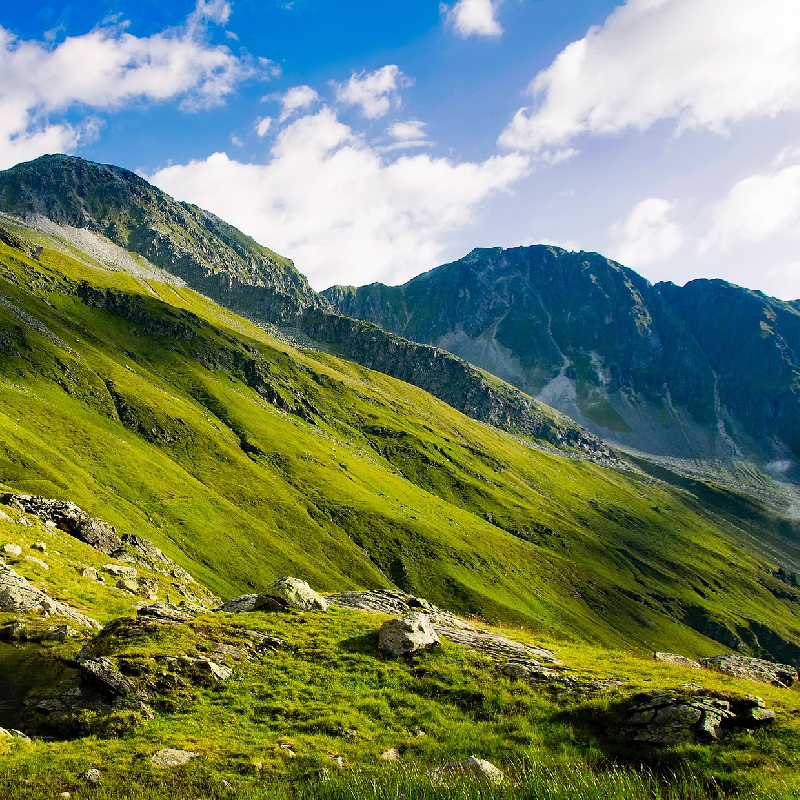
x=673, y=719
x=753, y=669
x=102, y=536
x=407, y=636
x=19, y=596
x=103, y=673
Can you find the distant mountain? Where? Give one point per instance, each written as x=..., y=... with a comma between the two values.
x=134, y=227
x=708, y=371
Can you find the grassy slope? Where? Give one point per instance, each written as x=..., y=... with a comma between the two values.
x=141, y=422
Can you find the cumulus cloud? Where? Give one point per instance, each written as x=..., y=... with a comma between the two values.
x=406, y=135
x=648, y=234
x=105, y=69
x=340, y=208
x=295, y=99
x=376, y=92
x=760, y=207
x=704, y=63
x=473, y=17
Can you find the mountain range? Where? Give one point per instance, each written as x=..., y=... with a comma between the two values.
x=706, y=372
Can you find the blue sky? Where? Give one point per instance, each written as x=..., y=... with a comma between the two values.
x=372, y=141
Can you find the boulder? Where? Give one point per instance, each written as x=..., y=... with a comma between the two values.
x=407, y=635
x=90, y=572
x=205, y=668
x=678, y=661
x=296, y=594
x=119, y=571
x=40, y=546
x=14, y=734
x=753, y=669
x=11, y=549
x=38, y=562
x=103, y=673
x=172, y=758
x=473, y=767
x=391, y=755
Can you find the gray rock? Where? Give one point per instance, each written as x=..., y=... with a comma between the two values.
x=38, y=562
x=753, y=669
x=119, y=571
x=530, y=670
x=206, y=668
x=92, y=776
x=473, y=767
x=296, y=594
x=61, y=633
x=98, y=534
x=678, y=661
x=692, y=717
x=90, y=572
x=17, y=595
x=407, y=635
x=103, y=673
x=172, y=758
x=40, y=546
x=391, y=755
x=166, y=612
x=11, y=549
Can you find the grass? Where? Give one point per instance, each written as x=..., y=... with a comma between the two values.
x=329, y=693
x=245, y=459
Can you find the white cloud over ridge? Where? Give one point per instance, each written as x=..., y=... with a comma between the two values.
x=705, y=63
x=473, y=17
x=648, y=234
x=105, y=69
x=336, y=206
x=376, y=92
x=758, y=208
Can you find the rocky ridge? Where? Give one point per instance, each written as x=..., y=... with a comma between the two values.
x=707, y=371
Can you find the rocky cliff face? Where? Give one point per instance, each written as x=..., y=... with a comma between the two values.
x=709, y=371
x=207, y=253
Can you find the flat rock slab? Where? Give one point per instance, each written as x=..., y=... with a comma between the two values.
x=678, y=661
x=753, y=669
x=172, y=758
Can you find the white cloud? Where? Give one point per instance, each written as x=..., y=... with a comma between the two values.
x=295, y=99
x=263, y=125
x=758, y=208
x=406, y=135
x=375, y=92
x=105, y=69
x=647, y=234
x=704, y=63
x=344, y=212
x=474, y=17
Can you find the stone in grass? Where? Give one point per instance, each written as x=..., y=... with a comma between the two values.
x=172, y=758
x=473, y=767
x=91, y=776
x=40, y=546
x=12, y=549
x=38, y=562
x=103, y=673
x=14, y=734
x=407, y=635
x=393, y=754
x=119, y=571
x=677, y=661
x=753, y=669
